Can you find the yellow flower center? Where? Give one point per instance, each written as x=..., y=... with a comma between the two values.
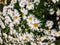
x=30, y=18
x=29, y=4
x=35, y=25
x=27, y=37
x=48, y=22
x=22, y=14
x=53, y=33
x=49, y=30
x=15, y=17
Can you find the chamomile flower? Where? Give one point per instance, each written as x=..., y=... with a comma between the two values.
x=24, y=13
x=47, y=32
x=23, y=16
x=16, y=17
x=34, y=25
x=53, y=32
x=49, y=24
x=22, y=4
x=30, y=6
x=30, y=18
x=28, y=37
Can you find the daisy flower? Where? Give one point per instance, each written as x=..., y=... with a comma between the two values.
x=16, y=17
x=47, y=32
x=22, y=4
x=28, y=36
x=30, y=6
x=24, y=13
x=30, y=18
x=49, y=24
x=34, y=25
x=53, y=32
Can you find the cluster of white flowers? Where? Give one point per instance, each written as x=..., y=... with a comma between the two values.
x=11, y=16
x=12, y=28
x=28, y=3
x=33, y=22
